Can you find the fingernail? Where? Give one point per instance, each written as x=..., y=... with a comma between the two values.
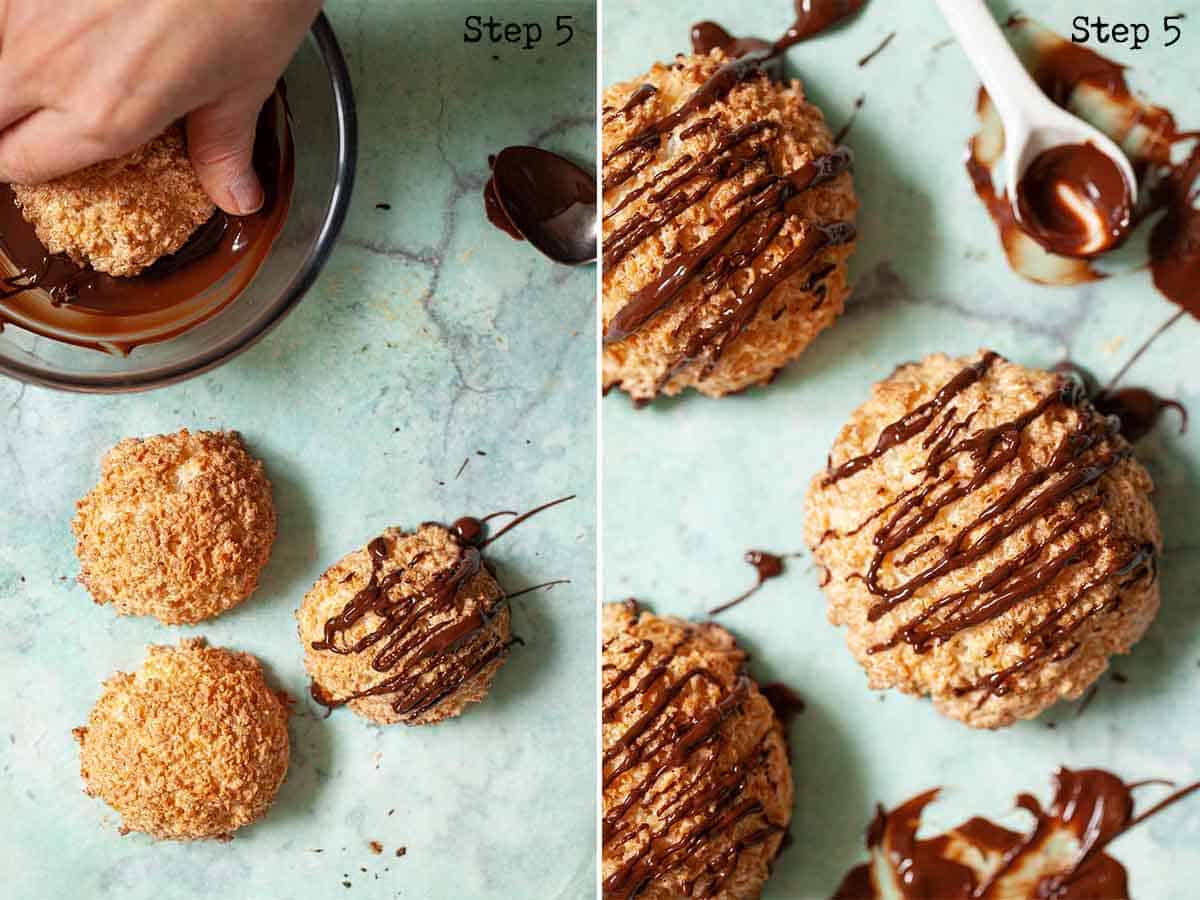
x=247, y=193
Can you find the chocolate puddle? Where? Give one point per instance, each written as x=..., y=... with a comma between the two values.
x=456, y=646
x=1138, y=409
x=1073, y=200
x=51, y=295
x=766, y=566
x=1060, y=494
x=1094, y=87
x=1061, y=856
x=541, y=197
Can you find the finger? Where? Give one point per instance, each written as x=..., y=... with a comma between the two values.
x=14, y=105
x=45, y=145
x=221, y=145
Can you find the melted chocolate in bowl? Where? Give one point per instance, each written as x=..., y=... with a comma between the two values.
x=53, y=296
x=1073, y=200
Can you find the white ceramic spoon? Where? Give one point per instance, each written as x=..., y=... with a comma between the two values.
x=1032, y=122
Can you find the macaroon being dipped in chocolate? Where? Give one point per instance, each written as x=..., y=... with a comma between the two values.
x=132, y=250
x=986, y=537
x=413, y=627
x=728, y=220
x=696, y=779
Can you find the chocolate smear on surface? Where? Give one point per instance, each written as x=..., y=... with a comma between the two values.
x=51, y=295
x=1056, y=503
x=541, y=197
x=404, y=648
x=812, y=18
x=1061, y=856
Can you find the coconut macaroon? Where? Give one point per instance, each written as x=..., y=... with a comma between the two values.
x=697, y=784
x=192, y=745
x=728, y=218
x=121, y=215
x=411, y=628
x=178, y=527
x=987, y=538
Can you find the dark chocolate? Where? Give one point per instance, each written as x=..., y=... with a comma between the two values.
x=52, y=295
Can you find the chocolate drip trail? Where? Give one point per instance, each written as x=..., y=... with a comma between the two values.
x=1058, y=495
x=1091, y=806
x=422, y=665
x=766, y=566
x=697, y=799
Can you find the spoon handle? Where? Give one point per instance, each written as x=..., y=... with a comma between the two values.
x=1014, y=93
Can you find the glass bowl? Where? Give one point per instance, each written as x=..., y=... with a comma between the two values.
x=324, y=131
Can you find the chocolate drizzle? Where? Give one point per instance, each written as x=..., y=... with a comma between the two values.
x=423, y=664
x=1081, y=80
x=703, y=819
x=756, y=218
x=766, y=566
x=52, y=295
x=1061, y=857
x=1055, y=502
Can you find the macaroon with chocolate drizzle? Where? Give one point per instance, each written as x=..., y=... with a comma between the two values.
x=988, y=537
x=54, y=296
x=414, y=626
x=696, y=780
x=1062, y=856
x=728, y=219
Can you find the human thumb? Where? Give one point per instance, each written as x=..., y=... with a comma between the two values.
x=221, y=145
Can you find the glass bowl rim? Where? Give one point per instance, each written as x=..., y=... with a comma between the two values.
x=318, y=254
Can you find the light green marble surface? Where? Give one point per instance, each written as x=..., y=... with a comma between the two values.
x=690, y=484
x=429, y=336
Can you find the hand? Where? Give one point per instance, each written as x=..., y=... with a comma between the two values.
x=82, y=81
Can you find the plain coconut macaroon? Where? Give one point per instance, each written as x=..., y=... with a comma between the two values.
x=697, y=786
x=192, y=745
x=178, y=527
x=986, y=537
x=121, y=215
x=728, y=220
x=409, y=629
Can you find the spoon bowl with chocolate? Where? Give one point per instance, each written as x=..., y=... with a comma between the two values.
x=124, y=277
x=1072, y=189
